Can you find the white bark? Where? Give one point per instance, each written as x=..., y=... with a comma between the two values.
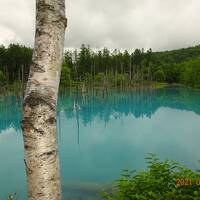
x=39, y=111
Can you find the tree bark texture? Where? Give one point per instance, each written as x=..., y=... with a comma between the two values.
x=39, y=109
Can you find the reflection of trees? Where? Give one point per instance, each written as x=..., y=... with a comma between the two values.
x=116, y=104
x=140, y=103
x=10, y=112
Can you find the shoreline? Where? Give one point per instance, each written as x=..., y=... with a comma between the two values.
x=19, y=89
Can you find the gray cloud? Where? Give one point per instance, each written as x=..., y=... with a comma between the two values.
x=17, y=21
x=126, y=24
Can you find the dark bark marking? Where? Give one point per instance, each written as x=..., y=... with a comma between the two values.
x=38, y=68
x=27, y=126
x=27, y=147
x=28, y=170
x=61, y=20
x=45, y=155
x=40, y=31
x=51, y=120
x=35, y=100
x=43, y=7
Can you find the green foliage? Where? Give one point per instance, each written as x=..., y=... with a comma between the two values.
x=88, y=77
x=99, y=77
x=65, y=75
x=159, y=74
x=12, y=196
x=120, y=68
x=113, y=68
x=2, y=78
x=15, y=61
x=158, y=182
x=119, y=79
x=190, y=73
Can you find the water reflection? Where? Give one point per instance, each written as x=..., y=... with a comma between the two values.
x=99, y=135
x=10, y=112
x=118, y=104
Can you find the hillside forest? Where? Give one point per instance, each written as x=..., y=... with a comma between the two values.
x=108, y=68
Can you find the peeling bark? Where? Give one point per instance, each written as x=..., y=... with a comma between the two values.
x=39, y=109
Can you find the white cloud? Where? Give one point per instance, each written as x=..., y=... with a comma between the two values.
x=17, y=21
x=130, y=24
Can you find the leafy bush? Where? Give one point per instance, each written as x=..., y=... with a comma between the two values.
x=99, y=77
x=120, y=78
x=158, y=182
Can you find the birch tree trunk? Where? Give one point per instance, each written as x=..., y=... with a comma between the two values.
x=39, y=109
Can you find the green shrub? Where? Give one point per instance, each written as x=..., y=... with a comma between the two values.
x=158, y=182
x=120, y=79
x=99, y=77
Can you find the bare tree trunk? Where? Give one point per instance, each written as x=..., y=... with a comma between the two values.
x=130, y=74
x=22, y=83
x=39, y=109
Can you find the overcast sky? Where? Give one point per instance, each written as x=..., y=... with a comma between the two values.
x=122, y=24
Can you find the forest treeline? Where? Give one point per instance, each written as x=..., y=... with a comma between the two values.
x=108, y=68
x=15, y=61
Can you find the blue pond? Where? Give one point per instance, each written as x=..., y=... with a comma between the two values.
x=100, y=134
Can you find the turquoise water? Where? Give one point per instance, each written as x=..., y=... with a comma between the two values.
x=99, y=135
